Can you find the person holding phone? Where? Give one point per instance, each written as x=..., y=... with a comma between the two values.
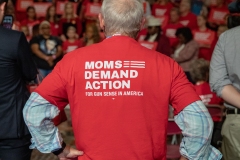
x=16, y=69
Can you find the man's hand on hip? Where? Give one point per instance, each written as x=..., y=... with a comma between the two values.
x=70, y=153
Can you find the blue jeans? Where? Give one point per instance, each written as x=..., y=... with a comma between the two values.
x=44, y=72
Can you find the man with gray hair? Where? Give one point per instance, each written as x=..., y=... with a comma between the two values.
x=119, y=93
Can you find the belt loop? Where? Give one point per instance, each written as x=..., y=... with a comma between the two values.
x=236, y=111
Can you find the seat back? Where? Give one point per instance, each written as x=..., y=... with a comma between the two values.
x=216, y=111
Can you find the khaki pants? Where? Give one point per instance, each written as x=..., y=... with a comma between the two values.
x=231, y=137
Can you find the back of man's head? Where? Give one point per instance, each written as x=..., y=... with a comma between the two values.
x=122, y=17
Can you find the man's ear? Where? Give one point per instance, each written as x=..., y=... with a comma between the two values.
x=101, y=21
x=2, y=7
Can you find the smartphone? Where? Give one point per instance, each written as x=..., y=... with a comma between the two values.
x=7, y=21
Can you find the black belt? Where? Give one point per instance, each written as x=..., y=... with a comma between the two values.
x=232, y=111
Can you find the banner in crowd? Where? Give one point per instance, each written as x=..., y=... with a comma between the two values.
x=206, y=37
x=93, y=9
x=218, y=16
x=23, y=4
x=41, y=8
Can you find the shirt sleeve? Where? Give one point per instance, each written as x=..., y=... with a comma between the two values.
x=218, y=69
x=197, y=126
x=24, y=59
x=38, y=114
x=182, y=91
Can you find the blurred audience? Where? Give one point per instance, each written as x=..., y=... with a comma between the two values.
x=47, y=49
x=171, y=28
x=205, y=38
x=69, y=18
x=161, y=8
x=186, y=51
x=187, y=18
x=31, y=19
x=72, y=42
x=91, y=35
x=52, y=18
x=199, y=70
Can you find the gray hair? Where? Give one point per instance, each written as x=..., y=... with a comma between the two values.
x=122, y=17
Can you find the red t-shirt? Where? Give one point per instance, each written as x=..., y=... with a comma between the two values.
x=190, y=20
x=119, y=93
x=218, y=15
x=170, y=30
x=70, y=46
x=204, y=38
x=161, y=10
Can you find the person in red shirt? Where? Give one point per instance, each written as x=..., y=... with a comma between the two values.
x=69, y=18
x=187, y=18
x=205, y=38
x=218, y=14
x=52, y=18
x=171, y=28
x=161, y=8
x=71, y=43
x=119, y=93
x=200, y=75
x=31, y=19
x=91, y=36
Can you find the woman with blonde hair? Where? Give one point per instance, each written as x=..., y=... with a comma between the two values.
x=69, y=18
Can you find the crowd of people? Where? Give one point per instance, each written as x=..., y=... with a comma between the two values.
x=184, y=30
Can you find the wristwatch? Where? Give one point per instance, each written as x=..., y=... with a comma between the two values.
x=58, y=151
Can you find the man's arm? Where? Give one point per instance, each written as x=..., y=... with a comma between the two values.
x=196, y=125
x=219, y=78
x=218, y=69
x=24, y=59
x=38, y=114
x=231, y=95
